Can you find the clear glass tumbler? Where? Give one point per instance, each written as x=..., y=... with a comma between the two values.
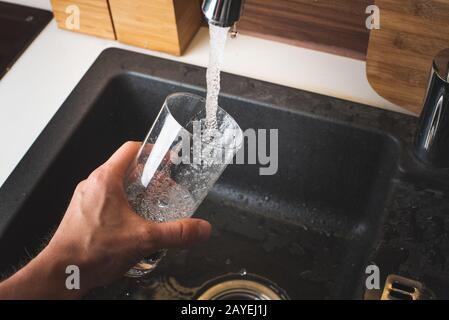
x=181, y=158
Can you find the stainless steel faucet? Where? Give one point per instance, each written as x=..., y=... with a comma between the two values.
x=432, y=137
x=223, y=13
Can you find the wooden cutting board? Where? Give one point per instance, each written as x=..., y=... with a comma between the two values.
x=335, y=26
x=400, y=54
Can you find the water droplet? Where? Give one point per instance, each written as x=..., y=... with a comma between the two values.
x=162, y=204
x=242, y=272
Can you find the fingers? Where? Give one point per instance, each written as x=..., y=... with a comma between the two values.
x=176, y=234
x=121, y=159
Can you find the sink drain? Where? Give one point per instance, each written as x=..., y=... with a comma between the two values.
x=235, y=287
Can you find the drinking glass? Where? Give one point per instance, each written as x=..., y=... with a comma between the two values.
x=181, y=158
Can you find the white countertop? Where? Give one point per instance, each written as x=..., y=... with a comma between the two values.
x=39, y=82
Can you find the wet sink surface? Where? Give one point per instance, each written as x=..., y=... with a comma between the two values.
x=310, y=228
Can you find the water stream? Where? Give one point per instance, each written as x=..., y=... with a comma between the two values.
x=218, y=37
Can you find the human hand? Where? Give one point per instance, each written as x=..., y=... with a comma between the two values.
x=103, y=236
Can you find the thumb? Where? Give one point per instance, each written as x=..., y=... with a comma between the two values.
x=176, y=234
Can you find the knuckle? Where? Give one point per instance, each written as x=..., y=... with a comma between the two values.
x=128, y=144
x=100, y=178
x=146, y=240
x=183, y=232
x=81, y=187
x=150, y=233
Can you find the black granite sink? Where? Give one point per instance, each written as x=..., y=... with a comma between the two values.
x=344, y=172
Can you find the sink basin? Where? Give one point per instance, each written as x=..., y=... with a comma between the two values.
x=310, y=228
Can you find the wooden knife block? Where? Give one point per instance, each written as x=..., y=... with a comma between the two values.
x=162, y=25
x=94, y=17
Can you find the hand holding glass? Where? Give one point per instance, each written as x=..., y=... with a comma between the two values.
x=181, y=158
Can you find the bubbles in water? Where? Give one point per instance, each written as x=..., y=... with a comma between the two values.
x=162, y=204
x=162, y=201
x=218, y=37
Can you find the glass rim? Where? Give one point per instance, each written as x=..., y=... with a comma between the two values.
x=203, y=101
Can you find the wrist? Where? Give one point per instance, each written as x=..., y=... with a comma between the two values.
x=65, y=271
x=44, y=277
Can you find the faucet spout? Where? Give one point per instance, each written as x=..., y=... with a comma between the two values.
x=223, y=13
x=432, y=137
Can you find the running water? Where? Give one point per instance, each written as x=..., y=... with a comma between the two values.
x=218, y=37
x=166, y=200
